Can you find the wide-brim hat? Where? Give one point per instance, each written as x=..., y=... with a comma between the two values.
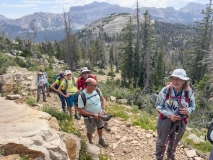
x=180, y=73
x=85, y=69
x=67, y=72
x=105, y=117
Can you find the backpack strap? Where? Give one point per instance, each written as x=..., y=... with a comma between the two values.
x=66, y=84
x=84, y=97
x=73, y=81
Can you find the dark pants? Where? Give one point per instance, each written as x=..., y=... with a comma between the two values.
x=39, y=90
x=163, y=130
x=63, y=100
x=211, y=155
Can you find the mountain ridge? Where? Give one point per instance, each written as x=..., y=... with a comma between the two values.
x=81, y=16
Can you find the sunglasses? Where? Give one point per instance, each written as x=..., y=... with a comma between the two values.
x=69, y=75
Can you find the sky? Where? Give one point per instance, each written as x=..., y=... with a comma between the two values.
x=18, y=8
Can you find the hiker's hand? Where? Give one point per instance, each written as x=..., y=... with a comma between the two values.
x=96, y=116
x=67, y=95
x=175, y=118
x=183, y=110
x=103, y=111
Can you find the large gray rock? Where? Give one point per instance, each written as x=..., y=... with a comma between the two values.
x=25, y=131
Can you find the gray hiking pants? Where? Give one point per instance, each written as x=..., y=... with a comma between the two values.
x=211, y=155
x=163, y=130
x=39, y=90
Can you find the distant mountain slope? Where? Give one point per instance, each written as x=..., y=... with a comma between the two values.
x=81, y=16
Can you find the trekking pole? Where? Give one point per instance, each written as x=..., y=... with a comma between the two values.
x=173, y=146
x=167, y=139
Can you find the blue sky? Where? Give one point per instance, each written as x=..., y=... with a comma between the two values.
x=17, y=8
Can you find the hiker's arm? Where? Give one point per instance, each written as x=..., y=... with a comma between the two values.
x=53, y=86
x=188, y=110
x=59, y=91
x=103, y=104
x=37, y=81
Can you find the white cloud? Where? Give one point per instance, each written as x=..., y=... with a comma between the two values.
x=17, y=5
x=37, y=1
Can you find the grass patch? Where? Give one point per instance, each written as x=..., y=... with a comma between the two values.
x=118, y=111
x=139, y=118
x=30, y=101
x=204, y=147
x=145, y=121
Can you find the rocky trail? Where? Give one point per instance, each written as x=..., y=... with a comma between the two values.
x=126, y=142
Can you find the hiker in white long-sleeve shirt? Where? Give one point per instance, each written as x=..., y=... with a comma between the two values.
x=40, y=82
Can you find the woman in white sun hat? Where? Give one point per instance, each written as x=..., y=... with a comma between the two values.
x=174, y=103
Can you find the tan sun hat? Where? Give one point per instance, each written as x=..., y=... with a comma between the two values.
x=67, y=72
x=85, y=69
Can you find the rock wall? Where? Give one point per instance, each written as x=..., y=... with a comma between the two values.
x=25, y=131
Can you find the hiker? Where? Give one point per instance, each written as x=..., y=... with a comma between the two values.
x=174, y=103
x=40, y=82
x=94, y=106
x=55, y=85
x=47, y=85
x=69, y=85
x=86, y=73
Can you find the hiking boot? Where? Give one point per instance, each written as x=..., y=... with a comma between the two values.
x=48, y=95
x=45, y=100
x=77, y=117
x=106, y=127
x=102, y=142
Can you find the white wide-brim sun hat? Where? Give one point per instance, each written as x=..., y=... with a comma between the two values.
x=180, y=73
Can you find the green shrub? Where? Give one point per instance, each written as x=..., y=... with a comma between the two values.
x=26, y=157
x=20, y=62
x=57, y=114
x=101, y=72
x=30, y=101
x=5, y=62
x=102, y=157
x=111, y=74
x=65, y=121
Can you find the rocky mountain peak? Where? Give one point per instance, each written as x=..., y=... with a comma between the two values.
x=193, y=8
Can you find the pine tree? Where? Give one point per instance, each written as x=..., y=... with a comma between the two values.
x=126, y=54
x=147, y=44
x=111, y=59
x=196, y=64
x=137, y=58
